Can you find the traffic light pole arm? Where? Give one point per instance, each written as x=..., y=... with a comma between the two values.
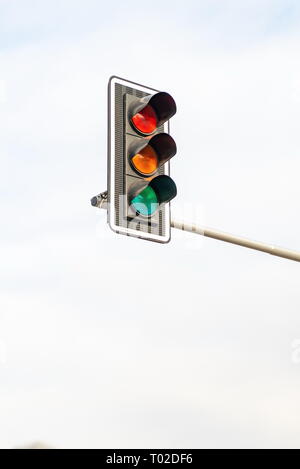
x=101, y=202
x=228, y=238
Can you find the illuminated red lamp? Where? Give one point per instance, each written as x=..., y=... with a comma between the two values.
x=157, y=109
x=145, y=120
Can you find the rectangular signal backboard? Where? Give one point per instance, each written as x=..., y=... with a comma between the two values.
x=120, y=176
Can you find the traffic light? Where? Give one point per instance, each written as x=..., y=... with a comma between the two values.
x=139, y=150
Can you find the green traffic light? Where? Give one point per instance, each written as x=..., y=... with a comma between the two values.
x=161, y=189
x=146, y=202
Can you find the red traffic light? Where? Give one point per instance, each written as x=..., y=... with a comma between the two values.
x=153, y=111
x=145, y=120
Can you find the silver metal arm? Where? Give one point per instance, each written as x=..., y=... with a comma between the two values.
x=228, y=238
x=100, y=201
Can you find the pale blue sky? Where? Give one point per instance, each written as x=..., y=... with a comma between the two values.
x=227, y=21
x=85, y=359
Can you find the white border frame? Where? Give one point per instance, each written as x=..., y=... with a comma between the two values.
x=111, y=170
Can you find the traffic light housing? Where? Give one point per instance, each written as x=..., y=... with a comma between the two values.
x=139, y=150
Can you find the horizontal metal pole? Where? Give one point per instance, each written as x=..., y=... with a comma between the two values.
x=100, y=201
x=228, y=238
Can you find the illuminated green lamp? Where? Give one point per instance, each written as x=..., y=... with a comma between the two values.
x=160, y=190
